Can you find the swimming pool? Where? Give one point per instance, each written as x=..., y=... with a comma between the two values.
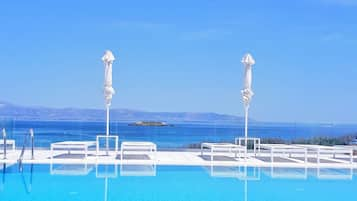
x=83, y=182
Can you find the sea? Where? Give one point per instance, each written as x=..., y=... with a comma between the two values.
x=177, y=135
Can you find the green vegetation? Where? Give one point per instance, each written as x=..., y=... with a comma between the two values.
x=321, y=140
x=329, y=141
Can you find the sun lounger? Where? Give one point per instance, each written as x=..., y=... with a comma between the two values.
x=72, y=145
x=137, y=146
x=327, y=150
x=222, y=147
x=284, y=149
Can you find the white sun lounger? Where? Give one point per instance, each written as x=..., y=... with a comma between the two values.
x=327, y=150
x=137, y=146
x=284, y=149
x=72, y=145
x=222, y=147
x=8, y=143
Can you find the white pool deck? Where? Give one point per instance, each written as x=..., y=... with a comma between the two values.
x=190, y=158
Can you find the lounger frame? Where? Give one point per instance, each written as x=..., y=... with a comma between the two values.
x=284, y=149
x=69, y=145
x=222, y=147
x=138, y=146
x=327, y=150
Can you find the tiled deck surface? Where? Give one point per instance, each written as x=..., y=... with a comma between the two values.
x=177, y=158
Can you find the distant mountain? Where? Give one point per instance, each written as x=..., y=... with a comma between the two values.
x=8, y=110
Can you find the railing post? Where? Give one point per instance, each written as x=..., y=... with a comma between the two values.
x=4, y=138
x=32, y=143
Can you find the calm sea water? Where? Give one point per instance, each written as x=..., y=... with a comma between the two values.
x=175, y=183
x=176, y=136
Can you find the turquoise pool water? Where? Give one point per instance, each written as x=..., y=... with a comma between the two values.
x=174, y=183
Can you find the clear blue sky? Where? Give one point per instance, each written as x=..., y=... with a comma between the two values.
x=184, y=55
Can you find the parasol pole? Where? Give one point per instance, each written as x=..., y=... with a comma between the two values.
x=107, y=131
x=246, y=108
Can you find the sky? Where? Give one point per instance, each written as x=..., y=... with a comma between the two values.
x=184, y=56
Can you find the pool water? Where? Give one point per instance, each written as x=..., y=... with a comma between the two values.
x=174, y=183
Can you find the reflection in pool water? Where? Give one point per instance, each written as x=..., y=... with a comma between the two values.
x=86, y=182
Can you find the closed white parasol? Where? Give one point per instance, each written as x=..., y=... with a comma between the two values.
x=247, y=92
x=108, y=59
